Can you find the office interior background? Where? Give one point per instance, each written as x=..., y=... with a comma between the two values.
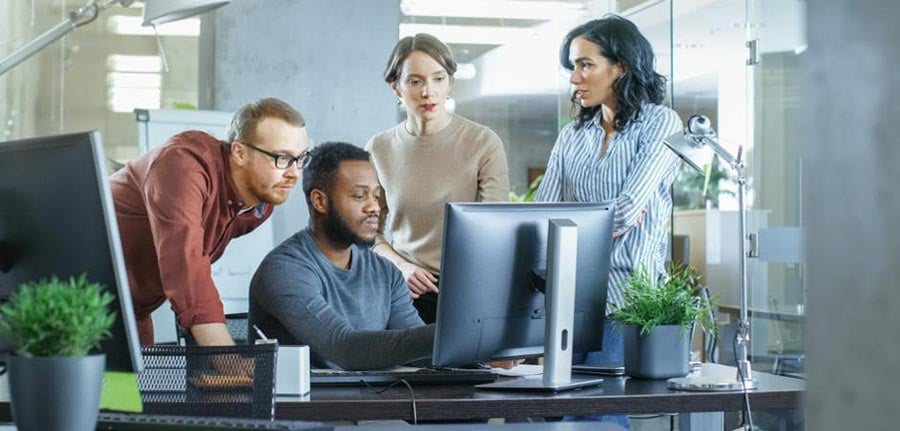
x=326, y=58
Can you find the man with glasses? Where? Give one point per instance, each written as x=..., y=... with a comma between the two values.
x=179, y=205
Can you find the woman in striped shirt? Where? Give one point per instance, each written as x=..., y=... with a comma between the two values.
x=613, y=151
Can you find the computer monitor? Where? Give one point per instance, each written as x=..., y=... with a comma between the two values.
x=57, y=218
x=489, y=306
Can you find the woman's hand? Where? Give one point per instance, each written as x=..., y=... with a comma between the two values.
x=625, y=230
x=418, y=279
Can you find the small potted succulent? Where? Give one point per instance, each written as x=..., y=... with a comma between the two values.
x=657, y=320
x=54, y=379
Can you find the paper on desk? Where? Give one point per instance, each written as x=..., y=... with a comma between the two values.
x=120, y=392
x=519, y=370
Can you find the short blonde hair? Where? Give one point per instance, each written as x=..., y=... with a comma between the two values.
x=421, y=42
x=243, y=123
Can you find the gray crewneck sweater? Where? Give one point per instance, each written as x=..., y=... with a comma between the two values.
x=355, y=319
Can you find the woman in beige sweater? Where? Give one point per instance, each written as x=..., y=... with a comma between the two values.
x=431, y=158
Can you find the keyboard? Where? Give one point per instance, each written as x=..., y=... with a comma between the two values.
x=142, y=422
x=414, y=376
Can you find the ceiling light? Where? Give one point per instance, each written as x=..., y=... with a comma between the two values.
x=132, y=26
x=464, y=71
x=502, y=9
x=469, y=34
x=134, y=63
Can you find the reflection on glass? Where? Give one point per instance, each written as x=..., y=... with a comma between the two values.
x=93, y=78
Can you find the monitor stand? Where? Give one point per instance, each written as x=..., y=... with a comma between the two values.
x=559, y=297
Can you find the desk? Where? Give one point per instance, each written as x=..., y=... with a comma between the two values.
x=617, y=395
x=452, y=402
x=780, y=313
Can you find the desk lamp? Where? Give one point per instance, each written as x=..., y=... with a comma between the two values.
x=156, y=12
x=697, y=145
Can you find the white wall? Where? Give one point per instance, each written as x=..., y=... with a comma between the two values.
x=852, y=207
x=324, y=57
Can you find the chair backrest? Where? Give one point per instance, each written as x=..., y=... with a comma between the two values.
x=237, y=324
x=226, y=381
x=681, y=249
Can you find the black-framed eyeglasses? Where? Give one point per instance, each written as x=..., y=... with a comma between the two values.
x=283, y=161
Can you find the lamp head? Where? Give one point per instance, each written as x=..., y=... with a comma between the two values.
x=699, y=125
x=157, y=12
x=692, y=143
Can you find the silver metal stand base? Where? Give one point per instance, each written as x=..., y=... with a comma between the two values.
x=710, y=384
x=537, y=385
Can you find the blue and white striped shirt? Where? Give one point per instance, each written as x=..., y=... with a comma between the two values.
x=635, y=174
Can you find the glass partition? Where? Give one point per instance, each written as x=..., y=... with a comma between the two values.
x=749, y=92
x=738, y=62
x=779, y=295
x=94, y=77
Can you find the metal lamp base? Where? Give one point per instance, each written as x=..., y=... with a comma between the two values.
x=711, y=384
x=537, y=384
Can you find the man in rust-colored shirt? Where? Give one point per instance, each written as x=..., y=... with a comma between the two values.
x=179, y=205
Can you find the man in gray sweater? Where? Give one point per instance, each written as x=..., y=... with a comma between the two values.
x=325, y=288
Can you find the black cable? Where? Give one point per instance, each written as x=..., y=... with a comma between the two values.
x=412, y=394
x=748, y=415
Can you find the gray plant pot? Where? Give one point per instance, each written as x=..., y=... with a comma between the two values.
x=55, y=394
x=663, y=353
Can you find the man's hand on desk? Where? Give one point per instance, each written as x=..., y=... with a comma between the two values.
x=231, y=365
x=505, y=364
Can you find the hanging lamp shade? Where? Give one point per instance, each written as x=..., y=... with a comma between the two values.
x=157, y=12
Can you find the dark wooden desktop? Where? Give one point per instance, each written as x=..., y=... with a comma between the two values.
x=617, y=395
x=454, y=402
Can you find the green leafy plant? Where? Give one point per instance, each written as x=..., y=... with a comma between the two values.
x=183, y=105
x=692, y=189
x=51, y=318
x=529, y=194
x=676, y=301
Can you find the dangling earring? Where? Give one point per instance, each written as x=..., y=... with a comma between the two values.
x=450, y=105
x=399, y=102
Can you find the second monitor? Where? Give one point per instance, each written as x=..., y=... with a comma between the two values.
x=489, y=307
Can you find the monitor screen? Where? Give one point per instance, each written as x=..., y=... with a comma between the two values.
x=488, y=306
x=57, y=218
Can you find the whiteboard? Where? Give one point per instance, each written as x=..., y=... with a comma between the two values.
x=233, y=271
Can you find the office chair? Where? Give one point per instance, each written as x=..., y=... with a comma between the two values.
x=236, y=323
x=784, y=359
x=680, y=252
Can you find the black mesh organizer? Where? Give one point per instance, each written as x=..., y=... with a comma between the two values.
x=232, y=381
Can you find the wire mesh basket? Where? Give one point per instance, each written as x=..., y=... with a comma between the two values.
x=227, y=381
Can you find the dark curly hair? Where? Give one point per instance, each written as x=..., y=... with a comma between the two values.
x=323, y=163
x=620, y=42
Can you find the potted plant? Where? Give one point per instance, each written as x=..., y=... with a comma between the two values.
x=54, y=380
x=657, y=320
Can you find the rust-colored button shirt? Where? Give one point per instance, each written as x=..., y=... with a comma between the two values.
x=178, y=208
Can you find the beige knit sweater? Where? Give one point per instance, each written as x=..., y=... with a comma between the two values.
x=464, y=162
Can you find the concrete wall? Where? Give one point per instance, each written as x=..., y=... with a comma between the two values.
x=324, y=57
x=852, y=208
